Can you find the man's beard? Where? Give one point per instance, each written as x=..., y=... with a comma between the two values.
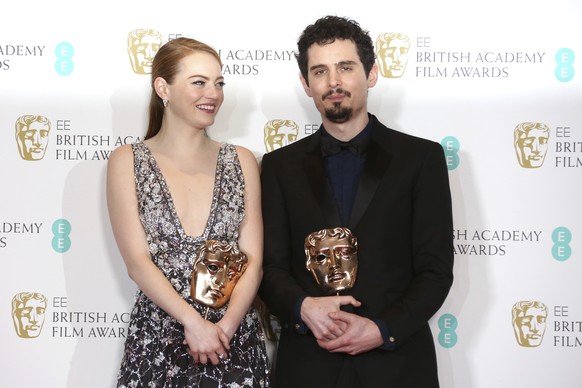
x=338, y=114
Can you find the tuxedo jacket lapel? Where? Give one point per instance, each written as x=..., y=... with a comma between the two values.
x=377, y=162
x=315, y=171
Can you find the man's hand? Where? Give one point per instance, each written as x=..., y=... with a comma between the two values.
x=315, y=312
x=359, y=335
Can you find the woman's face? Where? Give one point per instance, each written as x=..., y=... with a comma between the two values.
x=196, y=92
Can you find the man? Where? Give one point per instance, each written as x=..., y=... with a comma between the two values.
x=28, y=312
x=529, y=322
x=531, y=143
x=32, y=136
x=392, y=192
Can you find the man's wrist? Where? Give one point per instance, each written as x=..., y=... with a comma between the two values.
x=299, y=326
x=389, y=342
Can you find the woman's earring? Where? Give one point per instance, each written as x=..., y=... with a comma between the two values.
x=165, y=102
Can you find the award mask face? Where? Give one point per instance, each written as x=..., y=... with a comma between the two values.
x=529, y=322
x=332, y=258
x=215, y=272
x=28, y=313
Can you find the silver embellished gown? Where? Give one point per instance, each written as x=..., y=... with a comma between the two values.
x=154, y=354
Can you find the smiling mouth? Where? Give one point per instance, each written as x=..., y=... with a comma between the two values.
x=207, y=108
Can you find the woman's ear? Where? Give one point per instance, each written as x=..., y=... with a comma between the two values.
x=161, y=87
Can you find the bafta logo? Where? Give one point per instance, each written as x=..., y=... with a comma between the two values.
x=392, y=54
x=529, y=322
x=142, y=46
x=28, y=311
x=32, y=136
x=531, y=143
x=279, y=133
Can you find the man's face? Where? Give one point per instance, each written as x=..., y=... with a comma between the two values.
x=214, y=279
x=393, y=56
x=333, y=262
x=530, y=326
x=280, y=137
x=142, y=53
x=29, y=318
x=338, y=82
x=33, y=141
x=532, y=147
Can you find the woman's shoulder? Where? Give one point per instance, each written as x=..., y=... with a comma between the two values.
x=244, y=154
x=123, y=156
x=121, y=153
x=247, y=159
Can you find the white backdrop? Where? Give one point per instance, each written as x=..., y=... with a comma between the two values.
x=475, y=70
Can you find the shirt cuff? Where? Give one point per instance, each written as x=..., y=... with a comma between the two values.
x=389, y=340
x=299, y=326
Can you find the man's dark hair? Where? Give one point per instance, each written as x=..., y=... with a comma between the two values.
x=329, y=28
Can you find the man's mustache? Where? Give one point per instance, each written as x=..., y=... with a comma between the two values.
x=336, y=91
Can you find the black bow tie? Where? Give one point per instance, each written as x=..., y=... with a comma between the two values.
x=331, y=146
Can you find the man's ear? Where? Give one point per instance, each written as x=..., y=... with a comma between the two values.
x=305, y=85
x=373, y=76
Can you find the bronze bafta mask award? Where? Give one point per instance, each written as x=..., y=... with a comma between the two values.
x=332, y=258
x=215, y=271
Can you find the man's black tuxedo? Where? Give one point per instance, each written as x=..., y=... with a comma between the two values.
x=402, y=219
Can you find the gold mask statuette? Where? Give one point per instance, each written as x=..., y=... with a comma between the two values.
x=332, y=258
x=215, y=272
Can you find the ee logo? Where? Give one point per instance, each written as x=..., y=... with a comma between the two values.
x=64, y=64
x=565, y=70
x=61, y=231
x=451, y=147
x=561, y=237
x=447, y=335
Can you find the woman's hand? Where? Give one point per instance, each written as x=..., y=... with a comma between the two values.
x=207, y=342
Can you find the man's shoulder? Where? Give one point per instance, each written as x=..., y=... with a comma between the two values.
x=399, y=138
x=291, y=150
x=412, y=139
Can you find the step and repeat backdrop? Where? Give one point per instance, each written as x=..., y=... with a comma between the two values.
x=497, y=83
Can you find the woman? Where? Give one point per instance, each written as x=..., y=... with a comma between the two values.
x=168, y=195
